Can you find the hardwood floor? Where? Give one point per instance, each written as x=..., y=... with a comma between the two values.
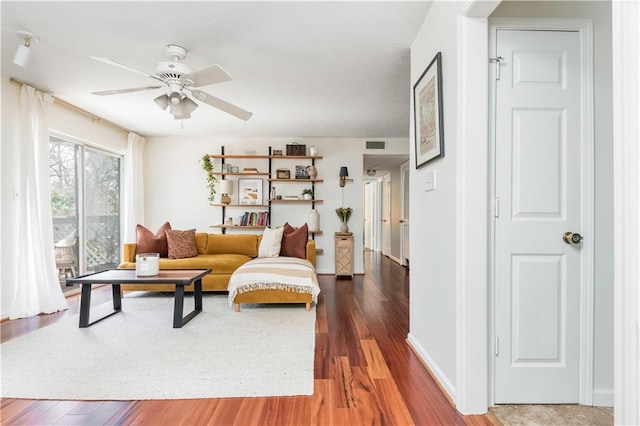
x=365, y=373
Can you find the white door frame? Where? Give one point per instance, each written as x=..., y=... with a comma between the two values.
x=585, y=28
x=404, y=236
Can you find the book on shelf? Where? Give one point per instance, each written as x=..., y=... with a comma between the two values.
x=254, y=219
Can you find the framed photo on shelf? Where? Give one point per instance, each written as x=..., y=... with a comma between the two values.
x=249, y=191
x=302, y=172
x=283, y=174
x=428, y=117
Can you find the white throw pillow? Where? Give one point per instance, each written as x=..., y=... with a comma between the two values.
x=271, y=241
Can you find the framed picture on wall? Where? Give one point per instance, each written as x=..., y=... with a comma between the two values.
x=428, y=114
x=250, y=191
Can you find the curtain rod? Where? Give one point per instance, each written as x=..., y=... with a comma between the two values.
x=72, y=107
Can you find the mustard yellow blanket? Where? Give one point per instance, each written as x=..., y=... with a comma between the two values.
x=274, y=273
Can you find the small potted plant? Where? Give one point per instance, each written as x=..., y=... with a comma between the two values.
x=344, y=213
x=307, y=194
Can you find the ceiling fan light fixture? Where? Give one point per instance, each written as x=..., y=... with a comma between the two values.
x=188, y=105
x=162, y=101
x=175, y=98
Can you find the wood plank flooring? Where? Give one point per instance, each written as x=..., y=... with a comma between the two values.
x=365, y=373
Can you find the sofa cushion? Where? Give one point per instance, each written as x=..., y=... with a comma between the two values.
x=181, y=244
x=148, y=242
x=220, y=264
x=294, y=241
x=270, y=242
x=202, y=238
x=245, y=244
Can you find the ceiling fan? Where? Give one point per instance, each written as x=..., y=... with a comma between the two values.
x=181, y=80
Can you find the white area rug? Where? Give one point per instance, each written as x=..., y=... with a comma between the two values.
x=265, y=350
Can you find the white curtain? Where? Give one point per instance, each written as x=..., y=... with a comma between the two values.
x=38, y=289
x=133, y=186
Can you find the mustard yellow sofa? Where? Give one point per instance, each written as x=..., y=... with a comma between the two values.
x=222, y=253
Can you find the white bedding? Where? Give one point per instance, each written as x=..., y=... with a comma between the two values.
x=269, y=273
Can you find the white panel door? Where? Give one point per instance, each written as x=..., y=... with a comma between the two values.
x=538, y=189
x=386, y=214
x=369, y=198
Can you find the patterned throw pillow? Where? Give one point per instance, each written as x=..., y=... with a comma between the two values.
x=270, y=243
x=294, y=241
x=148, y=242
x=182, y=244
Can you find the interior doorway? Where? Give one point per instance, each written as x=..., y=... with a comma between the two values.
x=384, y=195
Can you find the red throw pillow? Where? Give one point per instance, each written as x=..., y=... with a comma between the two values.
x=182, y=244
x=148, y=242
x=294, y=241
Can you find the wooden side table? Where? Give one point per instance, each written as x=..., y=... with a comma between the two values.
x=344, y=253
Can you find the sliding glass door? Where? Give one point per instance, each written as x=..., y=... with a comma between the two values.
x=101, y=210
x=85, y=202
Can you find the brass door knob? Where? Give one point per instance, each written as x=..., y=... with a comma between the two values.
x=572, y=238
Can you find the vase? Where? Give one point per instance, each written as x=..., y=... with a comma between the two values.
x=313, y=172
x=313, y=221
x=306, y=196
x=344, y=227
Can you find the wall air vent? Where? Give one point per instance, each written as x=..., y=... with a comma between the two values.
x=376, y=145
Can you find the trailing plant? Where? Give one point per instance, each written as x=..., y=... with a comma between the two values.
x=344, y=213
x=207, y=166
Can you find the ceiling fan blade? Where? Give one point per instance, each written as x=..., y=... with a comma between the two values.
x=209, y=75
x=118, y=91
x=123, y=66
x=222, y=105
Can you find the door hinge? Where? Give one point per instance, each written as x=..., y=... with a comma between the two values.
x=497, y=60
x=496, y=207
x=496, y=346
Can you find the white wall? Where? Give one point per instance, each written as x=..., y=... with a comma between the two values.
x=61, y=120
x=175, y=187
x=433, y=251
x=600, y=13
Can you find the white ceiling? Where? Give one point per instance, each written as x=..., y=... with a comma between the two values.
x=323, y=69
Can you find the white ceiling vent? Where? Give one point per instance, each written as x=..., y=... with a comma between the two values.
x=376, y=145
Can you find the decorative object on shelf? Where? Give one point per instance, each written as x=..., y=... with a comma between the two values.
x=296, y=149
x=301, y=172
x=313, y=221
x=276, y=153
x=250, y=191
x=344, y=174
x=207, y=166
x=226, y=189
x=313, y=151
x=228, y=221
x=428, y=116
x=250, y=170
x=307, y=194
x=250, y=152
x=283, y=174
x=272, y=194
x=312, y=172
x=344, y=213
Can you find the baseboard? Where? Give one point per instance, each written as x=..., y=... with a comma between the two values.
x=395, y=259
x=434, y=370
x=602, y=397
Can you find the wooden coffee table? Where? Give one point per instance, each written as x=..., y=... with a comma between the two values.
x=116, y=277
